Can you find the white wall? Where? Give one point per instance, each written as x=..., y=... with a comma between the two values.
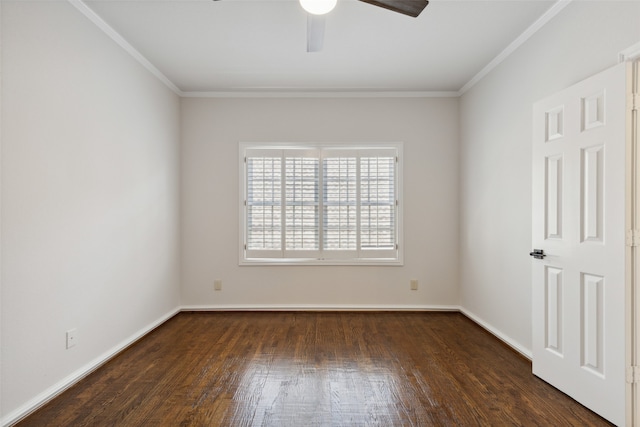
x=91, y=233
x=90, y=205
x=211, y=130
x=496, y=115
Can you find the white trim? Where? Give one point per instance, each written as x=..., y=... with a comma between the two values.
x=347, y=93
x=282, y=256
x=266, y=93
x=116, y=37
x=630, y=53
x=632, y=296
x=516, y=346
x=318, y=307
x=305, y=262
x=50, y=393
x=47, y=395
x=514, y=45
x=321, y=94
x=495, y=332
x=1, y=150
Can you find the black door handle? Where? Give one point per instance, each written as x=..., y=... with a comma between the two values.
x=537, y=253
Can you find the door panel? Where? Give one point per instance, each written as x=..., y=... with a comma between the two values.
x=554, y=199
x=592, y=206
x=553, y=291
x=579, y=221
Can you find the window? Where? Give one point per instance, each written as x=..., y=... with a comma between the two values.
x=320, y=204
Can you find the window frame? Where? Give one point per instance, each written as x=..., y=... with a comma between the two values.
x=267, y=258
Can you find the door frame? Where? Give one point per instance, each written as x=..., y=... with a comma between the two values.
x=632, y=261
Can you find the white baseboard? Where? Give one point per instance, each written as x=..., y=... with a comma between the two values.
x=495, y=332
x=47, y=395
x=339, y=307
x=318, y=307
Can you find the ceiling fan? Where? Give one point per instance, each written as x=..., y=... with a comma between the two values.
x=318, y=8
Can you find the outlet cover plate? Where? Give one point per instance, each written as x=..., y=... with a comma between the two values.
x=72, y=337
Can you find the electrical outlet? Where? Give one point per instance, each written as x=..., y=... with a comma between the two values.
x=414, y=284
x=217, y=285
x=72, y=337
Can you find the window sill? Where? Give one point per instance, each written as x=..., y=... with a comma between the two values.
x=271, y=262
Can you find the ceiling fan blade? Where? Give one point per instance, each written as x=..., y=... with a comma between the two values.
x=406, y=7
x=315, y=32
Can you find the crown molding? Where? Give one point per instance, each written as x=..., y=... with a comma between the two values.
x=629, y=54
x=124, y=44
x=321, y=94
x=514, y=45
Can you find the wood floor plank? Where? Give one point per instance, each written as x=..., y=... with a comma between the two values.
x=315, y=369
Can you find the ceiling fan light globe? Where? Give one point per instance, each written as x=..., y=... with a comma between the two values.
x=318, y=7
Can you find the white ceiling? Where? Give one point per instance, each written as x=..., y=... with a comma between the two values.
x=260, y=45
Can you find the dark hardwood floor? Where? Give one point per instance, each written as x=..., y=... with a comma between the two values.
x=315, y=369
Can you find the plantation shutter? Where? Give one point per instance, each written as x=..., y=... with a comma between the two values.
x=378, y=204
x=264, y=203
x=323, y=203
x=302, y=204
x=340, y=203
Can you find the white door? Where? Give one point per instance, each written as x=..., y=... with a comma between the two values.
x=579, y=145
